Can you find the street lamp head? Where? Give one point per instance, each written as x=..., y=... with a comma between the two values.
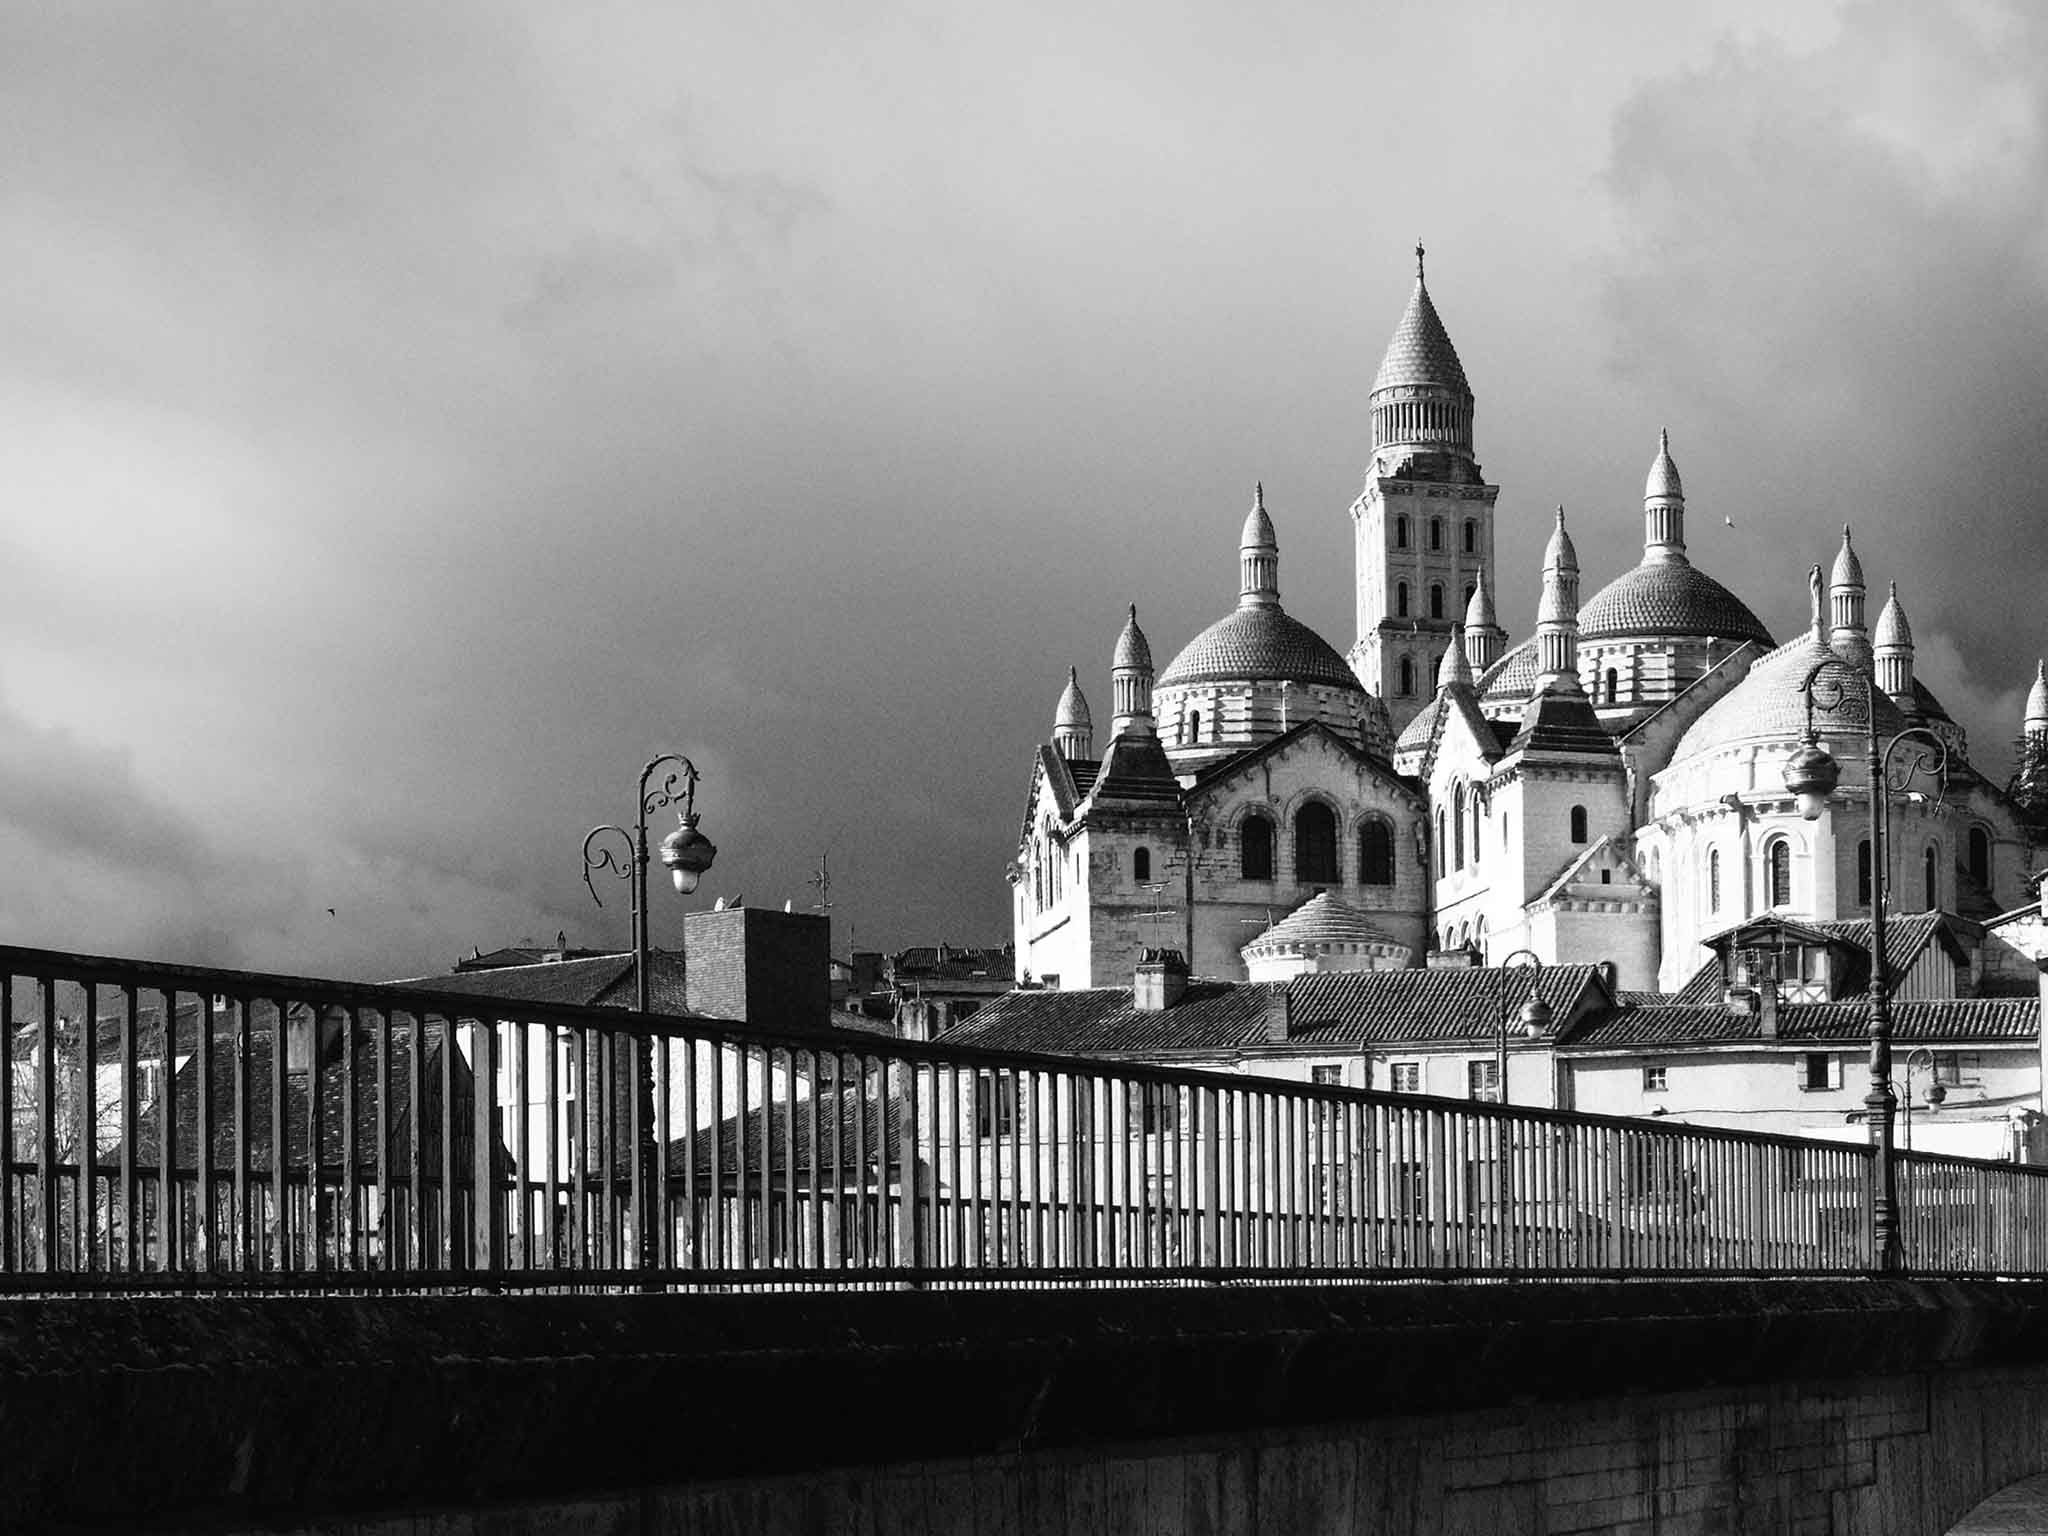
x=1935, y=1093
x=1811, y=776
x=687, y=853
x=1536, y=1017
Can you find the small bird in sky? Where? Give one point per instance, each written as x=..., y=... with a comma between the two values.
x=1729, y=521
x=330, y=911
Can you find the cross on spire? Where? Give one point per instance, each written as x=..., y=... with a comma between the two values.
x=1418, y=261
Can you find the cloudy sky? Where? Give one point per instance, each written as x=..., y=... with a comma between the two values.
x=416, y=415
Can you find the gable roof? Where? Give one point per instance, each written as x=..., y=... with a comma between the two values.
x=1211, y=1016
x=1680, y=1025
x=1229, y=767
x=1571, y=872
x=603, y=981
x=1331, y=1010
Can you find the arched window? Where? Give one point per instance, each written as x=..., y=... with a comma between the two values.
x=1400, y=599
x=1407, y=677
x=1376, y=853
x=1401, y=531
x=1441, y=868
x=1980, y=857
x=1471, y=536
x=1479, y=938
x=1863, y=873
x=1468, y=594
x=1315, y=845
x=1141, y=864
x=1778, y=873
x=1458, y=826
x=1255, y=848
x=1578, y=823
x=1436, y=533
x=1475, y=831
x=1613, y=685
x=1436, y=600
x=1503, y=829
x=1931, y=872
x=1714, y=881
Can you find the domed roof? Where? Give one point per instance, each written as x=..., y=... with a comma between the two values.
x=1663, y=484
x=1511, y=679
x=1259, y=645
x=1767, y=703
x=2037, y=696
x=1132, y=651
x=1479, y=612
x=1416, y=733
x=1073, y=709
x=1421, y=352
x=1323, y=919
x=1668, y=598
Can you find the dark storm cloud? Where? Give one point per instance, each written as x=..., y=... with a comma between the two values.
x=419, y=415
x=1840, y=275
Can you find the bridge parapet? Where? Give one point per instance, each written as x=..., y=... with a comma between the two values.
x=187, y=1128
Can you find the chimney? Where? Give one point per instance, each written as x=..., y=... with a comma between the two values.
x=1279, y=1012
x=759, y=967
x=1767, y=1007
x=1161, y=981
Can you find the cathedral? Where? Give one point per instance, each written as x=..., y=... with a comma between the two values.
x=1610, y=790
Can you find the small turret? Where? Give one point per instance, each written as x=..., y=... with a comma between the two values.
x=1258, y=557
x=1130, y=682
x=1484, y=638
x=1557, y=615
x=1073, y=731
x=1848, y=636
x=1663, y=507
x=1455, y=667
x=1892, y=652
x=2037, y=702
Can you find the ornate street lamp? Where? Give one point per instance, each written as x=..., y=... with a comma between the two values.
x=686, y=853
x=1535, y=1016
x=1811, y=775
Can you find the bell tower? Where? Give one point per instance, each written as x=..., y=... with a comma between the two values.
x=1424, y=521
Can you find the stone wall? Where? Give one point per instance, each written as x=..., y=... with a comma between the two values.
x=1413, y=1410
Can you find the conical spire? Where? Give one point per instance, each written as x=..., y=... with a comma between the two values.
x=1073, y=729
x=1557, y=615
x=1561, y=558
x=1892, y=652
x=1258, y=557
x=1130, y=681
x=1479, y=612
x=1892, y=628
x=2037, y=702
x=1849, y=635
x=1455, y=667
x=1420, y=352
x=1132, y=650
x=1419, y=396
x=1663, y=507
x=1484, y=637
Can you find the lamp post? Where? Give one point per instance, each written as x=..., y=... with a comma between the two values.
x=687, y=853
x=1811, y=775
x=1535, y=1015
x=1935, y=1092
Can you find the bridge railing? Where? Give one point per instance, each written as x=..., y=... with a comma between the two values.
x=183, y=1127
